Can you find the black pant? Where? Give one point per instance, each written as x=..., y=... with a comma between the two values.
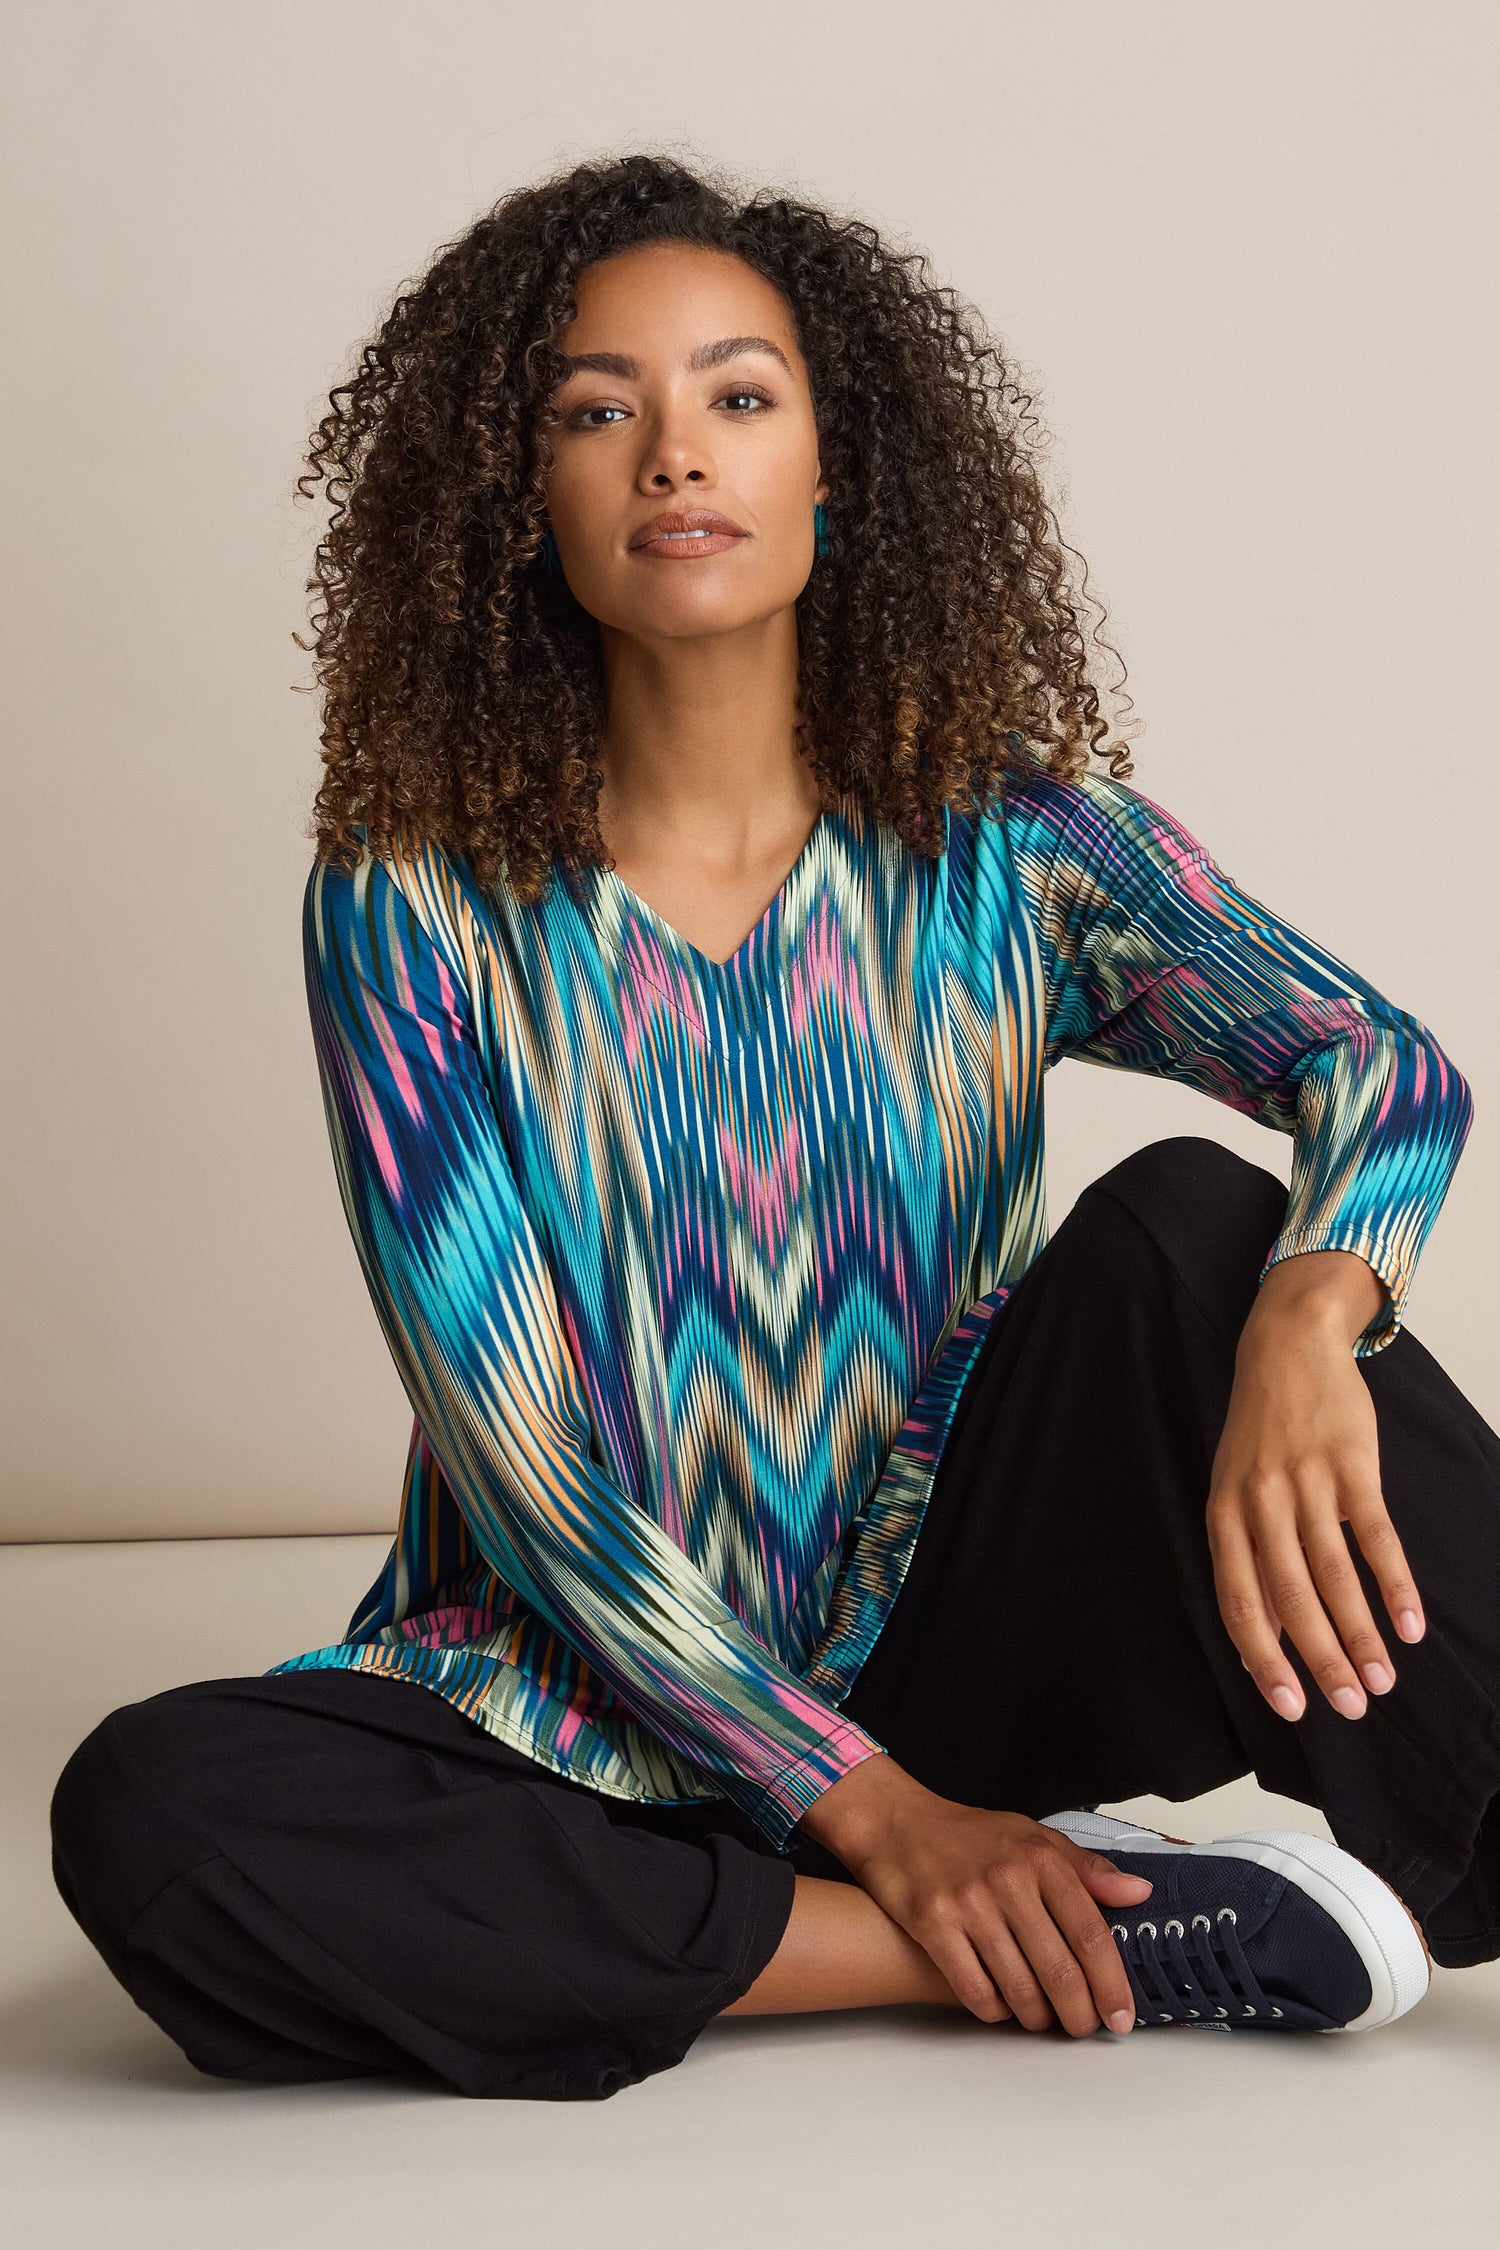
x=320, y=1875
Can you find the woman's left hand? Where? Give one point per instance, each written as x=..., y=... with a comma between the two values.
x=1298, y=1458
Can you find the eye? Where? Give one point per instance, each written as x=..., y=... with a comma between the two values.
x=584, y=417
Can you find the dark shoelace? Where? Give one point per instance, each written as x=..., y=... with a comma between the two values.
x=1168, y=1987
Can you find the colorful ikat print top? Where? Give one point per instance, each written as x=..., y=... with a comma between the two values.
x=683, y=1263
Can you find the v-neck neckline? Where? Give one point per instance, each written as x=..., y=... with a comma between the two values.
x=728, y=992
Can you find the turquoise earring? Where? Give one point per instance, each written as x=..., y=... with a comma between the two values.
x=551, y=559
x=820, y=529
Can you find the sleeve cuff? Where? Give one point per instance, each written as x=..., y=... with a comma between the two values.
x=787, y=1795
x=1378, y=1256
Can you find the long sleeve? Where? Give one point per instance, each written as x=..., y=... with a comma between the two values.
x=470, y=1314
x=1155, y=960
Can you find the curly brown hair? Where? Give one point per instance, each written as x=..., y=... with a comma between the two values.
x=940, y=639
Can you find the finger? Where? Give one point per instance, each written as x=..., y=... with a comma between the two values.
x=1383, y=1551
x=1339, y=1589
x=1265, y=1594
x=984, y=1966
x=1010, y=1972
x=948, y=1945
x=1104, y=1881
x=1306, y=1622
x=1050, y=1957
x=1098, y=1873
x=1244, y=1609
x=1092, y=1945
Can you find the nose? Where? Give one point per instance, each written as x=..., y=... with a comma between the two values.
x=675, y=454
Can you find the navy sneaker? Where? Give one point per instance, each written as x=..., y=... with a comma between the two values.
x=1266, y=1931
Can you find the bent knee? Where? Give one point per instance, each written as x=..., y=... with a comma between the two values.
x=1211, y=1214
x=1184, y=1170
x=115, y=1844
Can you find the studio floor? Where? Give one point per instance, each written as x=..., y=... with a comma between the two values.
x=903, y=2127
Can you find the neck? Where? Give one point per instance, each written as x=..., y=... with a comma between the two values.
x=699, y=747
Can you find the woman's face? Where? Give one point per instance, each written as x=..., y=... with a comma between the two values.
x=686, y=393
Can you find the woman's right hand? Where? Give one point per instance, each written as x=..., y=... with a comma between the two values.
x=1007, y=1909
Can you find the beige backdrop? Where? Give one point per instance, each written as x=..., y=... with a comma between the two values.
x=1245, y=251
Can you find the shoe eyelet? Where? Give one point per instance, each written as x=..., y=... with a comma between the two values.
x=1141, y=2020
x=1202, y=1922
x=1194, y=2014
x=1169, y=1927
x=1118, y=1929
x=1275, y=2011
x=1227, y=1914
x=1142, y=1927
x=1221, y=2011
x=1248, y=2010
x=1163, y=2019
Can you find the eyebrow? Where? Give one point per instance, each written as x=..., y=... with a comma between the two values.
x=706, y=355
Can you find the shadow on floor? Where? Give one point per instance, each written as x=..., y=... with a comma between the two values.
x=78, y=2024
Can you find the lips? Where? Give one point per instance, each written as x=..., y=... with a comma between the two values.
x=687, y=532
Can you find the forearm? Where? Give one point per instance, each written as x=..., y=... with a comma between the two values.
x=605, y=1577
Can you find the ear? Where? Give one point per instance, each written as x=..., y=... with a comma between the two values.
x=822, y=490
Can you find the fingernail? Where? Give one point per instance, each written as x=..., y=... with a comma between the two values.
x=1411, y=1626
x=1122, y=2020
x=1377, y=1679
x=1287, y=1701
x=1349, y=1701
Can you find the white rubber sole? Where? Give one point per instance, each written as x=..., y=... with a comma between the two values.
x=1364, y=1906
